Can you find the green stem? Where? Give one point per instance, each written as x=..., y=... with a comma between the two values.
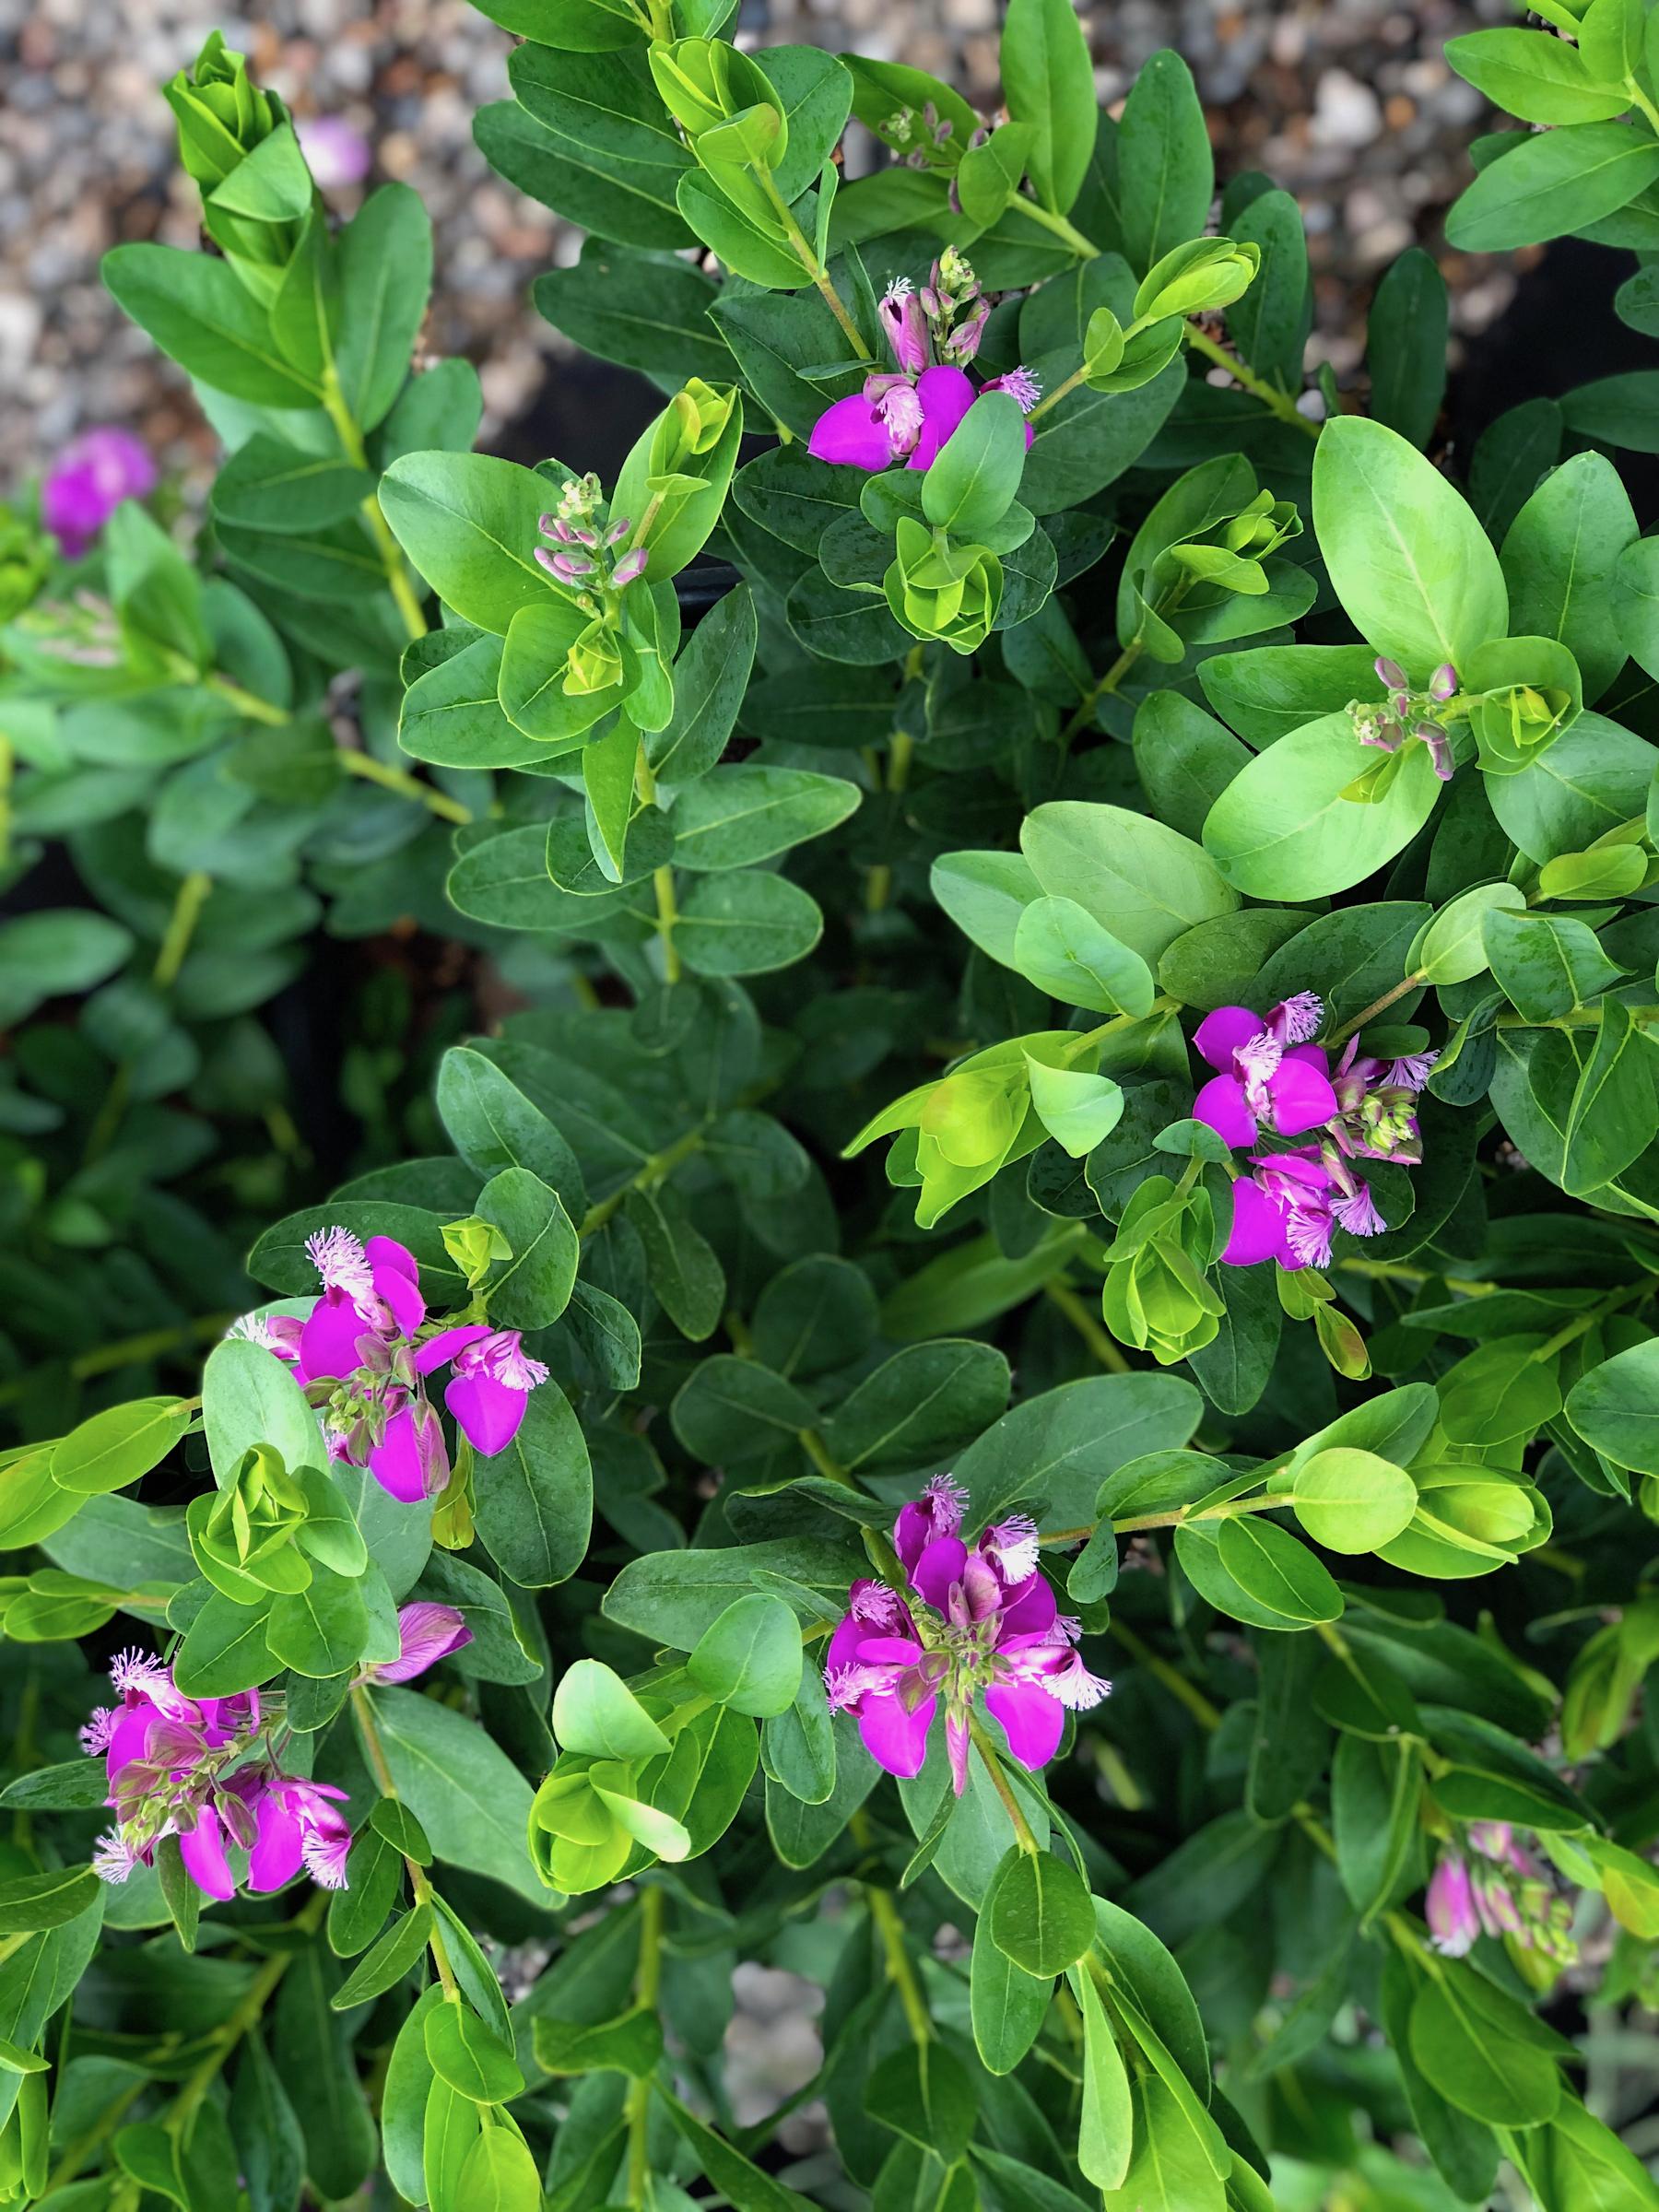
x=373, y=771
x=1585, y=1322
x=667, y=911
x=248, y=2014
x=884, y=1913
x=999, y=1782
x=187, y=909
x=1091, y=1331
x=188, y=901
x=363, y=1706
x=1207, y=1715
x=647, y=1982
x=386, y=546
x=1085, y=249
x=650, y=1171
x=246, y=703
x=1166, y=605
x=1413, y=981
x=900, y=746
x=811, y=264
x=1279, y=402
x=818, y=1452
x=1639, y=99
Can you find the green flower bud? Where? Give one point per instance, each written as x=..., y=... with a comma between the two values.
x=242, y=1537
x=576, y=1842
x=714, y=92
x=221, y=113
x=474, y=1244
x=691, y=424
x=1157, y=1296
x=937, y=589
x=594, y=661
x=1520, y=693
x=1204, y=274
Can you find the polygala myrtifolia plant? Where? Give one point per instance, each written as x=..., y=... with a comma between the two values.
x=1202, y=830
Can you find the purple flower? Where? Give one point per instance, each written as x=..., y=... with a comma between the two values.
x=295, y=1824
x=178, y=1766
x=89, y=480
x=490, y=1383
x=334, y=153
x=361, y=1337
x=1454, y=1921
x=426, y=1633
x=979, y=1620
x=1271, y=1077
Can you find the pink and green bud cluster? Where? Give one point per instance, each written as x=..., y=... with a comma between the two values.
x=1497, y=1889
x=980, y=1620
x=1274, y=1083
x=587, y=557
x=1405, y=715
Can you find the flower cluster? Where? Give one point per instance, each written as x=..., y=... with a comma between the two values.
x=909, y=413
x=362, y=1355
x=180, y=1767
x=1272, y=1082
x=980, y=1618
x=586, y=554
x=1498, y=1890
x=89, y=480
x=205, y=1771
x=1408, y=714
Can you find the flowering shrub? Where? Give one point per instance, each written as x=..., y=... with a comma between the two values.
x=634, y=1528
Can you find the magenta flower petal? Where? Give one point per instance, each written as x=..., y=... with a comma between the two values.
x=279, y=1845
x=129, y=1737
x=945, y=393
x=1219, y=1035
x=487, y=1412
x=328, y=1342
x=895, y=1739
x=397, y=1462
x=844, y=1644
x=941, y=1564
x=1302, y=1097
x=853, y=435
x=1031, y=1720
x=1258, y=1229
x=397, y=1280
x=203, y=1851
x=89, y=480
x=427, y=1632
x=1221, y=1105
x=437, y=1349
x=1031, y=1610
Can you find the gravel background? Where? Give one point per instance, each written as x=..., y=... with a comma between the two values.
x=1345, y=102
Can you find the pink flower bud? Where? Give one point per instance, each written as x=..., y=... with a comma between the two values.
x=1443, y=684
x=555, y=525
x=905, y=323
x=631, y=566
x=1389, y=673
x=618, y=531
